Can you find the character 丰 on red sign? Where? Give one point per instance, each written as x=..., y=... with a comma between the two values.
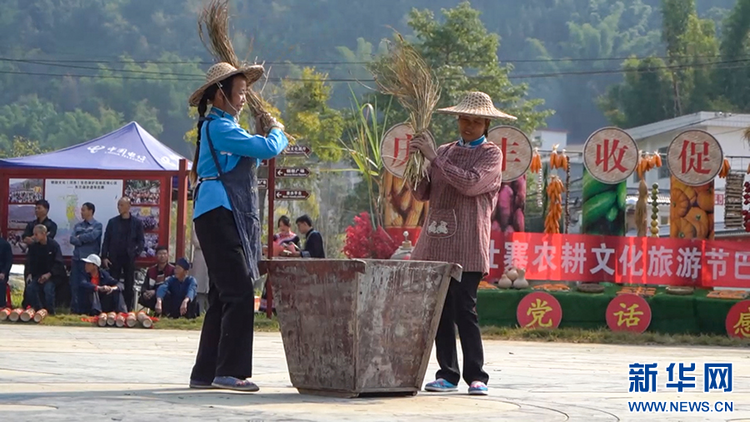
x=516, y=148
x=539, y=310
x=628, y=312
x=610, y=155
x=738, y=320
x=695, y=157
x=394, y=149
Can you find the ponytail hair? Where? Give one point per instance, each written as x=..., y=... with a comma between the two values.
x=202, y=108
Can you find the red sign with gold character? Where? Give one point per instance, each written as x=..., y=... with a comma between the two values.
x=539, y=310
x=628, y=312
x=738, y=320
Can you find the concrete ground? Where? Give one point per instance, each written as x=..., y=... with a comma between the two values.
x=109, y=374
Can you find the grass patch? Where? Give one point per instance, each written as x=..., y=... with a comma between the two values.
x=604, y=336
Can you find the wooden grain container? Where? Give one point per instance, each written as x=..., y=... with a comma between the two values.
x=353, y=327
x=120, y=320
x=5, y=313
x=147, y=322
x=27, y=315
x=15, y=314
x=39, y=316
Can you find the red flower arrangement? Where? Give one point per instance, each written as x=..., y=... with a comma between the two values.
x=364, y=242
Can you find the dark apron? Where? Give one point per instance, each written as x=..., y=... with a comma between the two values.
x=241, y=184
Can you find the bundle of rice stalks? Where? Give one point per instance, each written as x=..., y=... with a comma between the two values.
x=404, y=74
x=213, y=30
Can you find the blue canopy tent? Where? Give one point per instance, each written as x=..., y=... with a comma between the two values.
x=128, y=153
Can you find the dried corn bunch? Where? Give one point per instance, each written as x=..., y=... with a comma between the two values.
x=726, y=167
x=558, y=160
x=554, y=192
x=405, y=75
x=536, y=168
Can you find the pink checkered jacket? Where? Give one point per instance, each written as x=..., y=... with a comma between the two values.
x=462, y=191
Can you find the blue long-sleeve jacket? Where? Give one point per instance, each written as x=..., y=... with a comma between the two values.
x=87, y=239
x=178, y=289
x=6, y=259
x=231, y=143
x=104, y=280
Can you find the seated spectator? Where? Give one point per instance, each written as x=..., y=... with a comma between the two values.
x=44, y=267
x=176, y=297
x=155, y=277
x=101, y=292
x=313, y=247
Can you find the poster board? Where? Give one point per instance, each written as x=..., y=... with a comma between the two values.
x=66, y=195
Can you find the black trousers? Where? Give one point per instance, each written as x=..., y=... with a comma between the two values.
x=226, y=344
x=123, y=268
x=460, y=309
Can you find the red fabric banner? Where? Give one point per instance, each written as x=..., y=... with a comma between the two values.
x=632, y=260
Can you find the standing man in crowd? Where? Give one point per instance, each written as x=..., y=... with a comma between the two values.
x=155, y=277
x=123, y=243
x=41, y=210
x=6, y=261
x=176, y=297
x=44, y=267
x=87, y=240
x=313, y=247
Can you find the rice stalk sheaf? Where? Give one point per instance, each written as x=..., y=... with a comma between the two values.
x=405, y=75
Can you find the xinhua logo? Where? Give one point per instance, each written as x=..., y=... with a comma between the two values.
x=680, y=377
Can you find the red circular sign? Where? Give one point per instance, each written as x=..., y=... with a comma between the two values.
x=738, y=320
x=695, y=157
x=610, y=155
x=628, y=312
x=539, y=310
x=516, y=148
x=394, y=148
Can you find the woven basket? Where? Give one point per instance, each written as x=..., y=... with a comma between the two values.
x=680, y=291
x=590, y=288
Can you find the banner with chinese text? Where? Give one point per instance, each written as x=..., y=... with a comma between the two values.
x=632, y=260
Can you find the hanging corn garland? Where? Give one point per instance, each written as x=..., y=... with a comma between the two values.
x=556, y=159
x=646, y=163
x=536, y=168
x=655, y=210
x=554, y=192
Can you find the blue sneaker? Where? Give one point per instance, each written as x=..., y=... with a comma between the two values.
x=440, y=386
x=478, y=388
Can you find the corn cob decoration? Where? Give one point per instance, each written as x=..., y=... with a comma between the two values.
x=566, y=164
x=554, y=192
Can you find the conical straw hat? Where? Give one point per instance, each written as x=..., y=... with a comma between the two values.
x=477, y=104
x=221, y=71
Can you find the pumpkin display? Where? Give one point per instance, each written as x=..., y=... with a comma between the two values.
x=693, y=205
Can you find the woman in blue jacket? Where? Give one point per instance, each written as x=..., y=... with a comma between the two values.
x=227, y=223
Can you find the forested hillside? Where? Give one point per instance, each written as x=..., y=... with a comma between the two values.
x=71, y=69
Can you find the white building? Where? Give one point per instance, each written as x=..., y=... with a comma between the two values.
x=726, y=128
x=544, y=139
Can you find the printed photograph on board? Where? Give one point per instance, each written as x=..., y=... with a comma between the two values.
x=20, y=215
x=15, y=238
x=151, y=242
x=66, y=196
x=149, y=216
x=143, y=192
x=25, y=191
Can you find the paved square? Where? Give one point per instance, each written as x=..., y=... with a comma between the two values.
x=110, y=374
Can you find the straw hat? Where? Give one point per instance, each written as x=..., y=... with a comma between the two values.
x=221, y=71
x=477, y=104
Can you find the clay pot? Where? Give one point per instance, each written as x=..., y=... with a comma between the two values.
x=521, y=282
x=512, y=274
x=504, y=282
